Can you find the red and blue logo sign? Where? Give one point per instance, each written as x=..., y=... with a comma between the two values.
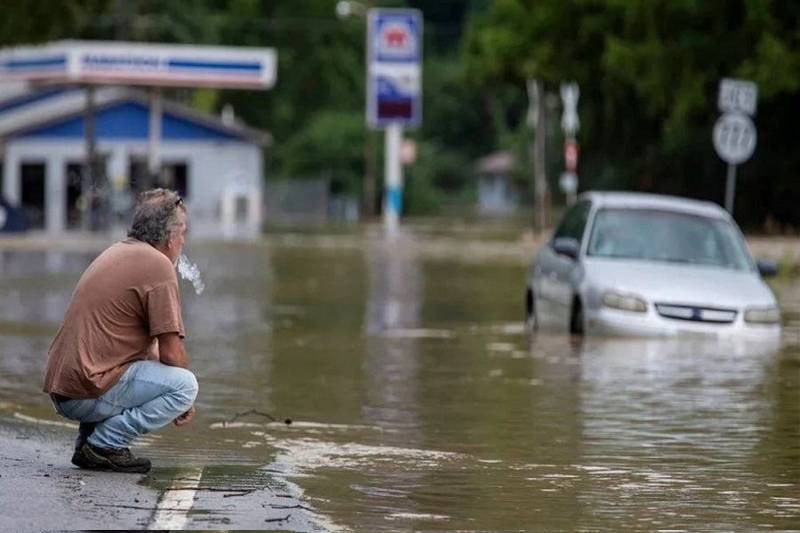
x=396, y=36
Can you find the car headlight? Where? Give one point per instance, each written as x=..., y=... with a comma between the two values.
x=624, y=302
x=762, y=315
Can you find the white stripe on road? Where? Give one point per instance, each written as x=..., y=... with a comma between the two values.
x=173, y=508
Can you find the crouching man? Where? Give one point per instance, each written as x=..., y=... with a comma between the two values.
x=117, y=364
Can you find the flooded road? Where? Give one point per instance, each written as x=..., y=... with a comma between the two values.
x=418, y=401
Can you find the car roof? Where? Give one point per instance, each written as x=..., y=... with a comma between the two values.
x=633, y=200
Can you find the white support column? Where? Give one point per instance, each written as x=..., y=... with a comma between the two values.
x=393, y=194
x=55, y=199
x=254, y=211
x=120, y=199
x=228, y=212
x=154, y=134
x=12, y=185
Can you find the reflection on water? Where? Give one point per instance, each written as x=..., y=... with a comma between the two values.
x=418, y=401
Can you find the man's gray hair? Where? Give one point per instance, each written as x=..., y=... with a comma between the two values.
x=155, y=216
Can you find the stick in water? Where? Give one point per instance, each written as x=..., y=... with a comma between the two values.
x=287, y=421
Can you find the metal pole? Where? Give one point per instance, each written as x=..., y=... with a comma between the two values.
x=393, y=199
x=88, y=182
x=368, y=185
x=540, y=168
x=154, y=138
x=730, y=188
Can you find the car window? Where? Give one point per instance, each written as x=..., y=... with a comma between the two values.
x=668, y=237
x=574, y=222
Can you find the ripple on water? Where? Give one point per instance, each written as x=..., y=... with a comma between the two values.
x=304, y=455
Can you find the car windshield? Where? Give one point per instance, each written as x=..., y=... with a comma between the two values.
x=667, y=236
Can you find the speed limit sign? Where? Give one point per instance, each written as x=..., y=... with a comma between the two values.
x=734, y=138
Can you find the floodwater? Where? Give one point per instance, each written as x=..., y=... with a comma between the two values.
x=418, y=401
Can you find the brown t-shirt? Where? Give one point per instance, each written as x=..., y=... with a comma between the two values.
x=126, y=297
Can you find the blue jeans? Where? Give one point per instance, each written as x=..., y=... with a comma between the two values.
x=148, y=396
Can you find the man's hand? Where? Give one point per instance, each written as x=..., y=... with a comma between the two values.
x=185, y=418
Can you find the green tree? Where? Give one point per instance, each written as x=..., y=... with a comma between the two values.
x=649, y=73
x=330, y=145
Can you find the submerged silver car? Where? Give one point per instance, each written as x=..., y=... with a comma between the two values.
x=649, y=265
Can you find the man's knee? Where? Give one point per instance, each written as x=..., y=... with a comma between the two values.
x=187, y=388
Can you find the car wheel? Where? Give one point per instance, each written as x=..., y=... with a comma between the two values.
x=576, y=322
x=531, y=321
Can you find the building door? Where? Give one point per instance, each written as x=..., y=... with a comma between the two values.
x=174, y=177
x=33, y=193
x=75, y=206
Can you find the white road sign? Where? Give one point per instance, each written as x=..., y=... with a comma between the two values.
x=734, y=138
x=570, y=92
x=568, y=181
x=737, y=96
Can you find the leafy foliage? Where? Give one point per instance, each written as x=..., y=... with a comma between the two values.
x=649, y=72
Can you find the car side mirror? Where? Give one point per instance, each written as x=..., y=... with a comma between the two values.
x=767, y=267
x=567, y=246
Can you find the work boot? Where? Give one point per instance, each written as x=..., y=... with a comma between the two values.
x=118, y=460
x=79, y=461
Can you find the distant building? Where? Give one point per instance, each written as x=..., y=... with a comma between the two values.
x=216, y=165
x=498, y=194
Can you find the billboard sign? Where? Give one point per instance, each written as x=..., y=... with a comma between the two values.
x=394, y=57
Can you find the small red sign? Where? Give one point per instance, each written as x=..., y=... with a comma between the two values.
x=571, y=156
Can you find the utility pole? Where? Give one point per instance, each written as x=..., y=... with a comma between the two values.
x=537, y=121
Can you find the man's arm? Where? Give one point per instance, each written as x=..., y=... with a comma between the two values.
x=171, y=351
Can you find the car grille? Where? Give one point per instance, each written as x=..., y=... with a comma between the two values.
x=696, y=314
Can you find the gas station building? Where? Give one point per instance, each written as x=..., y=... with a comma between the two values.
x=72, y=98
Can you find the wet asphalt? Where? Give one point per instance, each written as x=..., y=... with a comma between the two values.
x=42, y=491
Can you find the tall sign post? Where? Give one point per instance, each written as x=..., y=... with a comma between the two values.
x=570, y=92
x=734, y=133
x=394, y=93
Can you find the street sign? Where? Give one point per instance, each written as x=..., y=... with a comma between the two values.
x=568, y=181
x=394, y=56
x=737, y=96
x=734, y=133
x=570, y=92
x=570, y=155
x=734, y=138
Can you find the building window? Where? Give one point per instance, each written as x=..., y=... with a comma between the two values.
x=174, y=177
x=74, y=192
x=33, y=193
